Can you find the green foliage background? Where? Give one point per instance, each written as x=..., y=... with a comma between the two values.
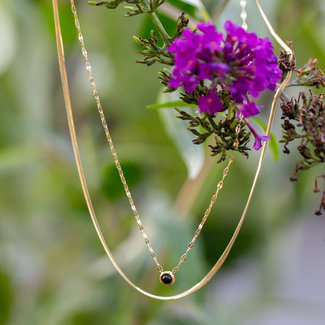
x=52, y=267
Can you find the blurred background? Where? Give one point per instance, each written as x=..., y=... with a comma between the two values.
x=53, y=269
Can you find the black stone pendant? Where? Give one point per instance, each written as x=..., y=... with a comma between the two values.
x=167, y=278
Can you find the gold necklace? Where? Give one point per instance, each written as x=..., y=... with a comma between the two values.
x=166, y=277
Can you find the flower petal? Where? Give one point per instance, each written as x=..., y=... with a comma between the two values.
x=210, y=103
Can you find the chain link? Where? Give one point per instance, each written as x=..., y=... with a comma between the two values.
x=109, y=139
x=243, y=14
x=212, y=202
x=119, y=168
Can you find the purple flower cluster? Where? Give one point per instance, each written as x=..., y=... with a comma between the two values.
x=239, y=62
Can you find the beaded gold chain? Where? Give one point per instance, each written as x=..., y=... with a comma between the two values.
x=166, y=277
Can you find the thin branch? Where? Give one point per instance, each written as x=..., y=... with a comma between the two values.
x=160, y=28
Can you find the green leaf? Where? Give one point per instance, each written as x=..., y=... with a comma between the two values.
x=6, y=296
x=273, y=143
x=193, y=155
x=183, y=6
x=200, y=7
x=147, y=26
x=172, y=104
x=194, y=8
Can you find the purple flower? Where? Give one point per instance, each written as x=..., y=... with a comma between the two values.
x=210, y=103
x=258, y=138
x=249, y=109
x=239, y=62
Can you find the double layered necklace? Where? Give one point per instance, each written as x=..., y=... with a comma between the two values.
x=166, y=277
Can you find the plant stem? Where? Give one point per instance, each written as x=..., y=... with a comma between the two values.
x=161, y=30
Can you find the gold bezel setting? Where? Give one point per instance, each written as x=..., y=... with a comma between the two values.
x=167, y=278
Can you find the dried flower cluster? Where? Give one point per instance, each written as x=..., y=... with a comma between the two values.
x=304, y=120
